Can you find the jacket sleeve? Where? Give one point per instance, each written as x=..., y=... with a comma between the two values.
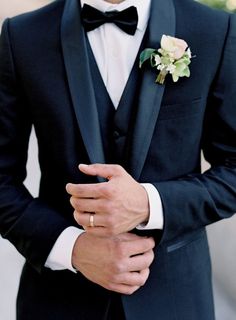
x=31, y=225
x=197, y=200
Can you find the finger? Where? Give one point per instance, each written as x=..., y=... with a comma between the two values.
x=122, y=288
x=140, y=262
x=93, y=190
x=83, y=219
x=127, y=236
x=135, y=278
x=89, y=205
x=102, y=170
x=132, y=278
x=139, y=246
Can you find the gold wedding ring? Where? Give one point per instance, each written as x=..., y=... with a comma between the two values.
x=91, y=220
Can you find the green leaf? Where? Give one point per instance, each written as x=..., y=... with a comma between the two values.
x=175, y=77
x=186, y=72
x=145, y=55
x=180, y=67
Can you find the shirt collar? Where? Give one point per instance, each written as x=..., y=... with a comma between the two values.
x=143, y=7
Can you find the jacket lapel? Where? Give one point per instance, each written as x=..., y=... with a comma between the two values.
x=79, y=78
x=162, y=21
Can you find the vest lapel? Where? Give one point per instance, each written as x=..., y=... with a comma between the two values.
x=79, y=79
x=162, y=21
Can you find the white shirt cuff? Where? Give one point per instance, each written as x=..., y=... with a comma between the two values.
x=60, y=257
x=156, y=217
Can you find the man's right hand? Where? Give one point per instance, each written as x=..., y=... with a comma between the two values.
x=119, y=264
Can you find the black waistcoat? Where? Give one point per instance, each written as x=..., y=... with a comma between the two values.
x=116, y=125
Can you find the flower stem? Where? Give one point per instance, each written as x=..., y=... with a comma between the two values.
x=161, y=77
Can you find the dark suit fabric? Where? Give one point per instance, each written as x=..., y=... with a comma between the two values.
x=47, y=79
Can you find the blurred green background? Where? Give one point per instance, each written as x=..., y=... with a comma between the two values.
x=229, y=5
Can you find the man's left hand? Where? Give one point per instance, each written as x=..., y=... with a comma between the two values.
x=118, y=205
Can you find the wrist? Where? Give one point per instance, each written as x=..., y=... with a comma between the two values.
x=75, y=251
x=146, y=207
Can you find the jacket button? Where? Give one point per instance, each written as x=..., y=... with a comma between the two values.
x=116, y=134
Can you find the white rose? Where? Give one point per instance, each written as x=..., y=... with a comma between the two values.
x=174, y=46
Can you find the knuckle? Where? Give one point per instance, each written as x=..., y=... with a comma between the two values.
x=151, y=257
x=149, y=244
x=146, y=275
x=72, y=201
x=76, y=216
x=114, y=278
x=102, y=188
x=152, y=243
x=143, y=276
x=110, y=286
x=118, y=168
x=108, y=190
x=76, y=204
x=110, y=221
x=117, y=267
x=142, y=281
x=128, y=292
x=148, y=259
x=131, y=290
x=120, y=250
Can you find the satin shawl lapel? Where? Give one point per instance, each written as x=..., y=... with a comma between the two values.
x=162, y=21
x=79, y=79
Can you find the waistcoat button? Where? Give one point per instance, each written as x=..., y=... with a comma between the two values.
x=116, y=134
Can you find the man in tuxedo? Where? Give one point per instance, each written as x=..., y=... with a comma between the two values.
x=122, y=236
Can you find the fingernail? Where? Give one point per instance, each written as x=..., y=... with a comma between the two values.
x=83, y=165
x=67, y=186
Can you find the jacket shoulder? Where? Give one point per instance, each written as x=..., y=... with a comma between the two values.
x=199, y=12
x=36, y=28
x=202, y=22
x=38, y=20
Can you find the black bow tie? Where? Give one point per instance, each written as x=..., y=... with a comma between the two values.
x=126, y=20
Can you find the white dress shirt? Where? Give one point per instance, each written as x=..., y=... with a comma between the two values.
x=115, y=52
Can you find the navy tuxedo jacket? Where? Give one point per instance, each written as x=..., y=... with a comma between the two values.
x=45, y=81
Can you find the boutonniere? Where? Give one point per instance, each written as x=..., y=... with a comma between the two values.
x=174, y=57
